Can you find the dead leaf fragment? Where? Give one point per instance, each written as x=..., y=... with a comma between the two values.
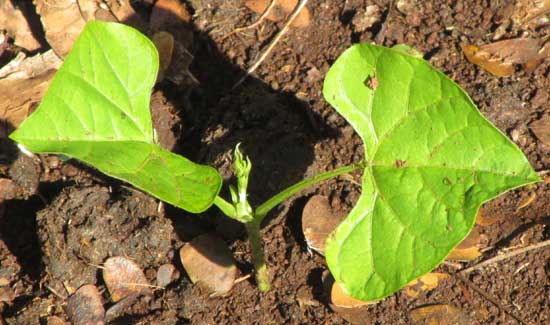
x=280, y=11
x=17, y=27
x=123, y=278
x=85, y=306
x=23, y=84
x=62, y=23
x=541, y=129
x=427, y=282
x=499, y=58
x=318, y=221
x=440, y=315
x=209, y=262
x=88, y=8
x=164, y=43
x=351, y=309
x=169, y=12
x=468, y=249
x=54, y=320
x=124, y=13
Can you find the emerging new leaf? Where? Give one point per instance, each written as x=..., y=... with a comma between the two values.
x=432, y=160
x=97, y=110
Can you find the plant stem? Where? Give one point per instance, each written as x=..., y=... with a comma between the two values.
x=262, y=276
x=265, y=207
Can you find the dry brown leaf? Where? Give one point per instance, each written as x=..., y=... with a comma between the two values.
x=341, y=299
x=23, y=84
x=124, y=13
x=17, y=27
x=440, y=315
x=541, y=129
x=85, y=306
x=209, y=262
x=318, y=221
x=164, y=43
x=88, y=8
x=499, y=58
x=62, y=23
x=427, y=282
x=468, y=249
x=169, y=12
x=123, y=278
x=281, y=10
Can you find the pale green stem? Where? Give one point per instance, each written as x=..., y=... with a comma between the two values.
x=262, y=276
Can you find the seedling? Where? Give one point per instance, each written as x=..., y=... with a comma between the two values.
x=431, y=159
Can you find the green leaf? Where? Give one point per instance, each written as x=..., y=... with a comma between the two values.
x=432, y=160
x=97, y=110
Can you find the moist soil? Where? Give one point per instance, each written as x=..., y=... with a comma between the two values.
x=64, y=219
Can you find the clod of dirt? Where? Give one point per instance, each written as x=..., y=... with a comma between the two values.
x=280, y=11
x=23, y=82
x=164, y=42
x=123, y=278
x=209, y=262
x=406, y=6
x=468, y=249
x=440, y=314
x=25, y=173
x=364, y=20
x=318, y=221
x=85, y=306
x=500, y=57
x=166, y=274
x=17, y=27
x=62, y=23
x=541, y=129
x=425, y=283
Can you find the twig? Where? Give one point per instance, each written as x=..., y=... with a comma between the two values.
x=259, y=21
x=485, y=295
x=272, y=44
x=501, y=257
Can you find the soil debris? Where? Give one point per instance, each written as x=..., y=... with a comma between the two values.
x=531, y=13
x=85, y=306
x=365, y=19
x=166, y=274
x=164, y=42
x=209, y=262
x=280, y=11
x=123, y=278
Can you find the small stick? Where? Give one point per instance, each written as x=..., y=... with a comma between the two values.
x=485, y=295
x=259, y=21
x=272, y=44
x=241, y=279
x=501, y=257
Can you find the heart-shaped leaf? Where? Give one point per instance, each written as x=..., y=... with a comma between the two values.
x=431, y=160
x=97, y=110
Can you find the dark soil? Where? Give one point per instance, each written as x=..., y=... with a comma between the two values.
x=65, y=219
